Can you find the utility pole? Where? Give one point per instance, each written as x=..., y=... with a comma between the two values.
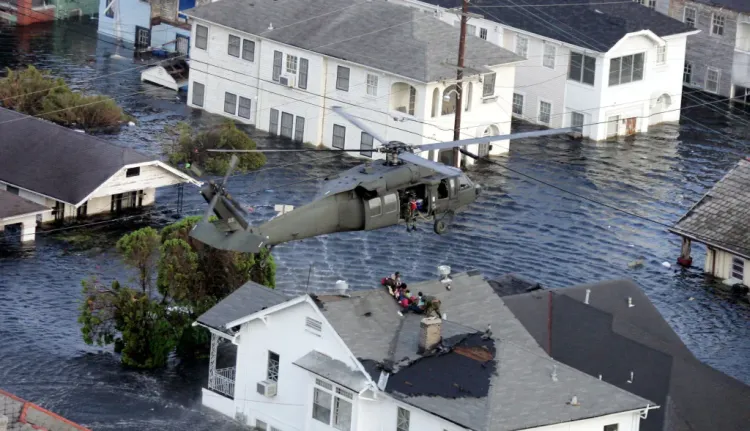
x=459, y=83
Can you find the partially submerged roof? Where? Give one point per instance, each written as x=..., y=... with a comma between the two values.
x=496, y=381
x=378, y=34
x=57, y=161
x=12, y=205
x=721, y=218
x=610, y=338
x=26, y=416
x=248, y=299
x=590, y=24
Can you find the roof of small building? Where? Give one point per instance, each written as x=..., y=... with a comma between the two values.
x=56, y=161
x=12, y=205
x=589, y=24
x=493, y=381
x=248, y=299
x=378, y=34
x=722, y=216
x=332, y=369
x=26, y=416
x=735, y=5
x=612, y=339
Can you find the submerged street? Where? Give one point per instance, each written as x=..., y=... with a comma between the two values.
x=517, y=225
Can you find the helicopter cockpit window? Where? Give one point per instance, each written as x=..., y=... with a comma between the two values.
x=463, y=182
x=443, y=189
x=375, y=208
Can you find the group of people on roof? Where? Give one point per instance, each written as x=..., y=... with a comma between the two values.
x=418, y=303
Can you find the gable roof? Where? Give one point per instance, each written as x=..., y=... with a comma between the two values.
x=722, y=215
x=55, y=161
x=514, y=390
x=12, y=205
x=248, y=299
x=611, y=339
x=415, y=45
x=595, y=26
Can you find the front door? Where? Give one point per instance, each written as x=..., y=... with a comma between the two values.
x=182, y=44
x=630, y=126
x=142, y=37
x=612, y=125
x=59, y=211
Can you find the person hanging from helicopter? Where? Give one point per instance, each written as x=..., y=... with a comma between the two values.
x=411, y=213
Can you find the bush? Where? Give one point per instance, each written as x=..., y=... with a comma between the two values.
x=34, y=92
x=185, y=146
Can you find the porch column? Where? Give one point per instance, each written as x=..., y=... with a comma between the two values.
x=28, y=230
x=212, y=361
x=685, y=259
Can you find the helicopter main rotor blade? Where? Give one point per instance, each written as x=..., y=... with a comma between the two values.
x=438, y=167
x=354, y=120
x=217, y=191
x=488, y=139
x=292, y=150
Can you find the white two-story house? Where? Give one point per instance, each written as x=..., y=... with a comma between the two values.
x=607, y=69
x=283, y=66
x=352, y=361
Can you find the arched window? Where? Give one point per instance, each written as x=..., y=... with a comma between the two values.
x=468, y=90
x=435, y=102
x=449, y=100
x=403, y=98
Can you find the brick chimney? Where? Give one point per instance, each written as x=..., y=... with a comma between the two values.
x=429, y=334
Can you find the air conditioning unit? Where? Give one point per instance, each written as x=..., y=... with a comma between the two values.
x=267, y=388
x=287, y=79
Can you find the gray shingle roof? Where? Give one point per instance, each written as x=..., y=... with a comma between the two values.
x=595, y=26
x=415, y=45
x=248, y=299
x=722, y=216
x=521, y=394
x=56, y=161
x=12, y=205
x=333, y=370
x=612, y=339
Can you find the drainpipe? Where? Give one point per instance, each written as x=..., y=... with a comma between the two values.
x=325, y=91
x=257, y=85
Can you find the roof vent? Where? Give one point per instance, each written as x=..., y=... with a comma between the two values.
x=574, y=401
x=631, y=377
x=341, y=287
x=270, y=26
x=630, y=301
x=445, y=271
x=588, y=294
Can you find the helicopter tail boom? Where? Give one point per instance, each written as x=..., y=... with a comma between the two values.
x=233, y=240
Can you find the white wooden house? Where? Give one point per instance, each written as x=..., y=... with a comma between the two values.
x=350, y=361
x=607, y=69
x=15, y=210
x=259, y=63
x=720, y=220
x=73, y=173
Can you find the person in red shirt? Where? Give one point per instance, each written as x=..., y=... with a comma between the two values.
x=411, y=222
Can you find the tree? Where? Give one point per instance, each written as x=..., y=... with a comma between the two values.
x=146, y=325
x=184, y=145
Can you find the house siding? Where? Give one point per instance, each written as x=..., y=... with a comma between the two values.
x=221, y=73
x=705, y=49
x=723, y=262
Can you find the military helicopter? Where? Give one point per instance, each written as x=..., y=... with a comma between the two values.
x=366, y=197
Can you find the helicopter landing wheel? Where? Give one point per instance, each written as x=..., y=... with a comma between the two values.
x=440, y=227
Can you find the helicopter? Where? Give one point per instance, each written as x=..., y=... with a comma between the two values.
x=367, y=197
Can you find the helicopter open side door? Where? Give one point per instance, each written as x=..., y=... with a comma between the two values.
x=382, y=211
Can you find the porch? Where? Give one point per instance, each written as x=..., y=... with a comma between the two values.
x=219, y=393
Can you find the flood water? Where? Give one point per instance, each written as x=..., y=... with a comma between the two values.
x=517, y=225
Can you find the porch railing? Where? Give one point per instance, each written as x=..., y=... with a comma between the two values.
x=222, y=381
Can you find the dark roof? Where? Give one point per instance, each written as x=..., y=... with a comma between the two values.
x=415, y=44
x=515, y=390
x=594, y=26
x=736, y=5
x=56, y=161
x=248, y=299
x=607, y=337
x=12, y=205
x=722, y=216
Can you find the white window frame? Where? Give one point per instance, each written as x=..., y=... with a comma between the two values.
x=197, y=38
x=513, y=104
x=337, y=395
x=292, y=64
x=372, y=84
x=718, y=79
x=740, y=262
x=714, y=18
x=632, y=74
x=333, y=136
x=483, y=33
x=579, y=79
x=548, y=60
x=661, y=54
x=272, y=373
x=232, y=38
x=525, y=53
x=583, y=120
x=247, y=42
x=688, y=65
x=695, y=16
x=403, y=420
x=539, y=111
x=340, y=79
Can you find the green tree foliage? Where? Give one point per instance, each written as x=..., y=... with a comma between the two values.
x=184, y=145
x=147, y=326
x=35, y=92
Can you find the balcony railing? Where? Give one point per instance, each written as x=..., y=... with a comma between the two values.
x=222, y=381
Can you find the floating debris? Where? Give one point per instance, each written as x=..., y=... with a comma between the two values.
x=666, y=264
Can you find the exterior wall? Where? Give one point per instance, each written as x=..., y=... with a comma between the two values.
x=629, y=421
x=219, y=73
x=164, y=35
x=705, y=49
x=132, y=13
x=724, y=265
